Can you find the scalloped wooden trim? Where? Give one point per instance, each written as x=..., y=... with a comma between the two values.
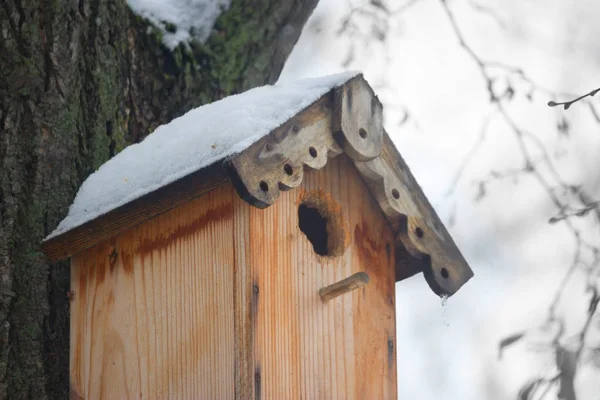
x=277, y=161
x=326, y=129
x=348, y=119
x=357, y=122
x=424, y=238
x=422, y=232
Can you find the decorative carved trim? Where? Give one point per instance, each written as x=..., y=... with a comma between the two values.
x=422, y=233
x=358, y=119
x=424, y=238
x=388, y=190
x=349, y=120
x=276, y=162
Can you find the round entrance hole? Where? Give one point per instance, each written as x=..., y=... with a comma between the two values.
x=320, y=219
x=314, y=226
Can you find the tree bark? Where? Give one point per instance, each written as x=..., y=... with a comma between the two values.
x=79, y=81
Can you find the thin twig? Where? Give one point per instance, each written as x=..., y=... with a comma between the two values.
x=404, y=7
x=568, y=104
x=469, y=156
x=490, y=12
x=534, y=169
x=580, y=212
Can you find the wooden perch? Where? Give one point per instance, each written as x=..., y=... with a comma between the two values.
x=352, y=282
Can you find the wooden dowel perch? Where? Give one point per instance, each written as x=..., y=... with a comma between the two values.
x=352, y=282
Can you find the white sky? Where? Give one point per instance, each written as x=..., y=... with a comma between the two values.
x=517, y=256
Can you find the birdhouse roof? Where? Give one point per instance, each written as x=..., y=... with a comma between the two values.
x=261, y=140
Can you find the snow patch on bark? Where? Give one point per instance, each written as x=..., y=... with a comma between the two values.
x=181, y=20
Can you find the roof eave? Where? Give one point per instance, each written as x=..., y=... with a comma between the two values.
x=135, y=212
x=346, y=120
x=349, y=120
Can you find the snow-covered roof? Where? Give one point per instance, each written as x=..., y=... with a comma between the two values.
x=260, y=142
x=191, y=142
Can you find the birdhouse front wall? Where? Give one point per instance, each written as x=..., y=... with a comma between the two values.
x=303, y=347
x=220, y=299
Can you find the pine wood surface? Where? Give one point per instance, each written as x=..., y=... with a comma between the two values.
x=154, y=319
x=219, y=299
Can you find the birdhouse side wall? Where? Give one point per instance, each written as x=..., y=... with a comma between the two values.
x=292, y=344
x=152, y=312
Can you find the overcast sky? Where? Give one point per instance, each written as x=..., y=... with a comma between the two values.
x=518, y=258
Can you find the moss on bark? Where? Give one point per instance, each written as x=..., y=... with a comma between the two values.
x=80, y=80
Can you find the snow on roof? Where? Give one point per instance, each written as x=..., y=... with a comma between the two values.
x=191, y=142
x=190, y=19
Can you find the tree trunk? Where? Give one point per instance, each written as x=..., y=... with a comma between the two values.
x=79, y=81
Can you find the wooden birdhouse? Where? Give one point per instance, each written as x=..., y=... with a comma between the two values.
x=250, y=249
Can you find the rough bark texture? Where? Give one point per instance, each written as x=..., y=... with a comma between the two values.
x=79, y=81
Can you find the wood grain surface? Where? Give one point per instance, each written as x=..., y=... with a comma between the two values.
x=303, y=347
x=152, y=311
x=219, y=299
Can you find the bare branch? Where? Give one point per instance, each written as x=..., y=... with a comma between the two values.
x=594, y=112
x=581, y=212
x=467, y=159
x=404, y=7
x=489, y=11
x=552, y=184
x=503, y=82
x=568, y=104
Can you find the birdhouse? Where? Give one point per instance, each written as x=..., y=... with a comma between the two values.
x=250, y=249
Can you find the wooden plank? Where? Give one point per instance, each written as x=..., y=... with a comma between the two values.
x=243, y=301
x=135, y=212
x=374, y=317
x=357, y=120
x=423, y=234
x=303, y=347
x=353, y=282
x=276, y=162
x=153, y=309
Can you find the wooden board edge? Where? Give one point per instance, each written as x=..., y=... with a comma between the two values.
x=357, y=120
x=135, y=212
x=245, y=295
x=277, y=161
x=443, y=279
